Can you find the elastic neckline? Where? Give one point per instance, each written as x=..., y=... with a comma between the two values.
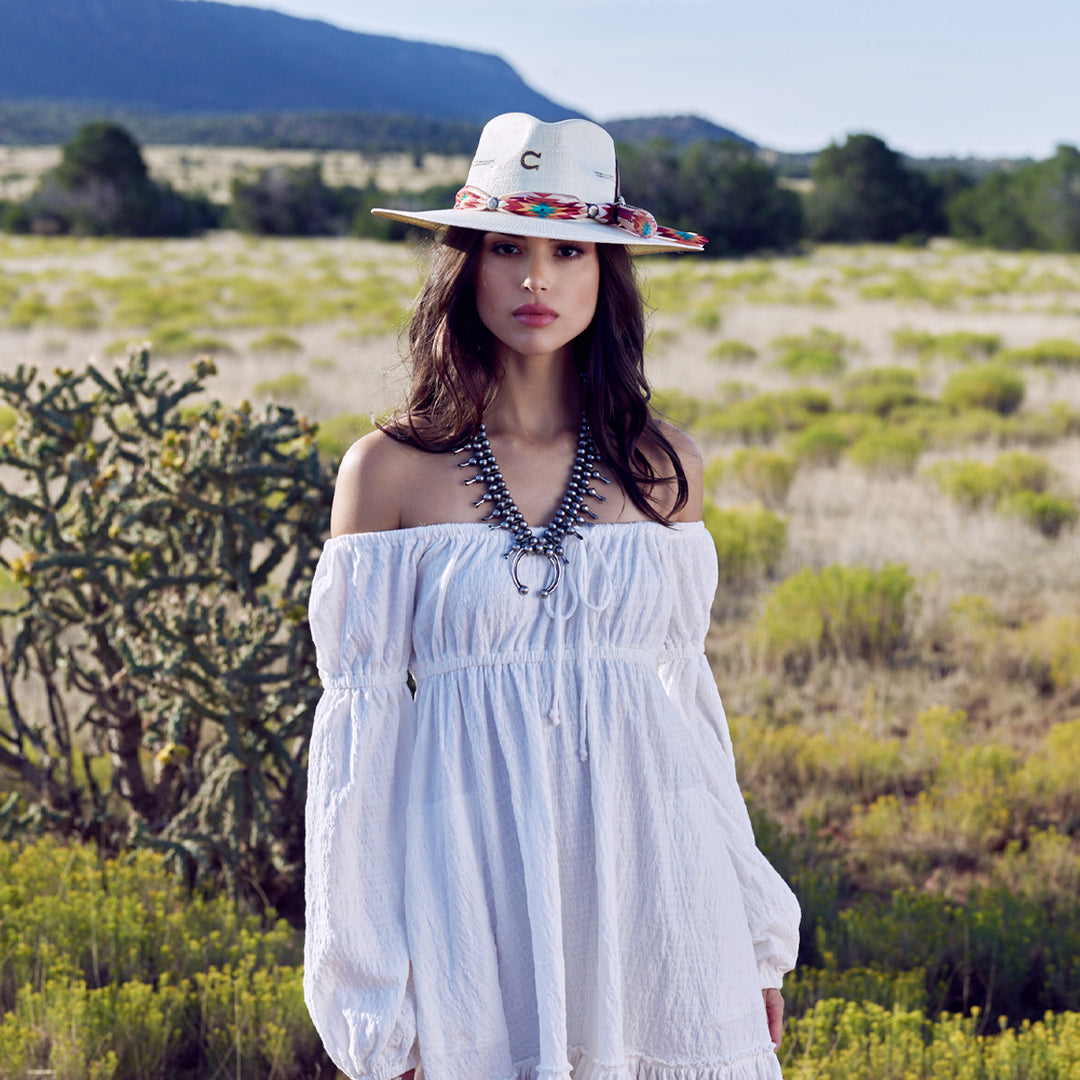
x=450, y=528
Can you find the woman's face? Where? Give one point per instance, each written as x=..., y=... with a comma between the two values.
x=536, y=295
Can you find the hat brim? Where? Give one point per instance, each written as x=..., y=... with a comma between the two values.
x=551, y=228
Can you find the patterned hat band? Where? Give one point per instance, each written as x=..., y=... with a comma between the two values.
x=541, y=204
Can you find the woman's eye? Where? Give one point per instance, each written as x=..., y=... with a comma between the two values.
x=569, y=251
x=504, y=248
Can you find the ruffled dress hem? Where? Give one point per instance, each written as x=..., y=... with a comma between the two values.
x=758, y=1064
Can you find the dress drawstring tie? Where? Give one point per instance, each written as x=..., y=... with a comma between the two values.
x=560, y=607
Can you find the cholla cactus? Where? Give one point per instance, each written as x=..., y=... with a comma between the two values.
x=158, y=674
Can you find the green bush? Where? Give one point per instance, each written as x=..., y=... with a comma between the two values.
x=965, y=345
x=178, y=341
x=805, y=987
x=750, y=541
x=112, y=969
x=849, y=1040
x=1060, y=352
x=970, y=483
x=335, y=435
x=824, y=441
x=892, y=451
x=1050, y=514
x=291, y=387
x=681, y=409
x=736, y=352
x=765, y=474
x=1016, y=478
x=276, y=342
x=77, y=311
x=986, y=387
x=881, y=391
x=763, y=416
x=1050, y=653
x=850, y=612
x=821, y=352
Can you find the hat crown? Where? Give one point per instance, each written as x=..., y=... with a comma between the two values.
x=517, y=152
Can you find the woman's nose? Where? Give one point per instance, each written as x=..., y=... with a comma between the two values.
x=536, y=276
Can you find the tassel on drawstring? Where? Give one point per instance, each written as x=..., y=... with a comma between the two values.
x=560, y=607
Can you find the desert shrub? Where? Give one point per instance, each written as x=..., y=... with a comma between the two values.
x=28, y=311
x=849, y=1040
x=681, y=409
x=1050, y=514
x=290, y=387
x=881, y=391
x=736, y=352
x=179, y=341
x=820, y=352
x=822, y=775
x=749, y=421
x=750, y=541
x=1014, y=483
x=175, y=544
x=971, y=483
x=761, y=417
x=962, y=345
x=1021, y=471
x=893, y=451
x=997, y=950
x=113, y=969
x=824, y=441
x=1050, y=652
x=707, y=317
x=985, y=387
x=276, y=342
x=850, y=612
x=1060, y=352
x=77, y=311
x=8, y=418
x=335, y=435
x=806, y=986
x=765, y=474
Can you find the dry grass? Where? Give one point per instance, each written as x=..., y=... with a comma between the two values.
x=211, y=169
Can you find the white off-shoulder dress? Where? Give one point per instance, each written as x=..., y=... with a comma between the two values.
x=541, y=865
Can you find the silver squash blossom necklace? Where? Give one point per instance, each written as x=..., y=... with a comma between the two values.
x=504, y=513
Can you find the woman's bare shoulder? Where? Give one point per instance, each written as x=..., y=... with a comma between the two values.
x=374, y=472
x=690, y=458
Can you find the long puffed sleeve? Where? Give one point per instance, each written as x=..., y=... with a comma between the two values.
x=772, y=910
x=357, y=976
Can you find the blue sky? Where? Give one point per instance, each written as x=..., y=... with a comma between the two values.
x=982, y=77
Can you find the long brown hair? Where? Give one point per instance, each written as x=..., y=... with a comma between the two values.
x=454, y=373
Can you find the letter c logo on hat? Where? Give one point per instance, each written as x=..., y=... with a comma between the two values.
x=530, y=154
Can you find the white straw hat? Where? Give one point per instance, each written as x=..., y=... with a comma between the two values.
x=558, y=181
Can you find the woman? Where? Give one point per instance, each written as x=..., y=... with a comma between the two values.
x=540, y=864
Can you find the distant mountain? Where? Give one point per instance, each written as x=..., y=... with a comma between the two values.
x=196, y=56
x=680, y=130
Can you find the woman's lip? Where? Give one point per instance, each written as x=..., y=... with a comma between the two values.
x=535, y=314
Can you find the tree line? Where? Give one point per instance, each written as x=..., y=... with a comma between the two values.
x=860, y=191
